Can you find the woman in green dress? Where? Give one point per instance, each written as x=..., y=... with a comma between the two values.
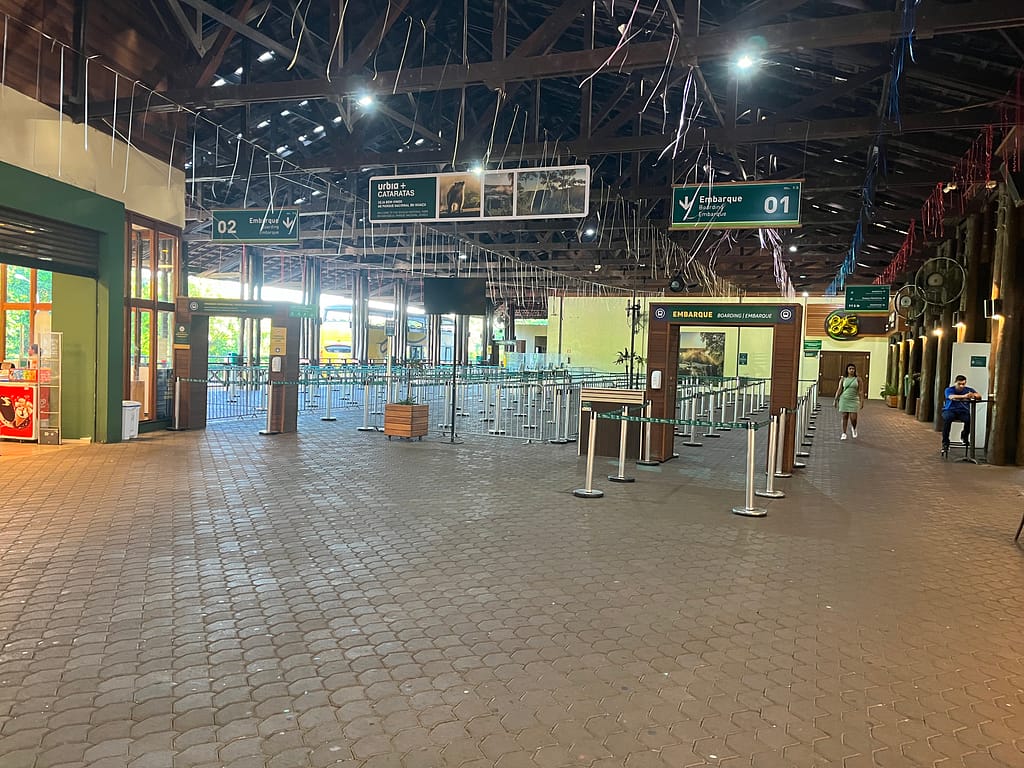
x=850, y=399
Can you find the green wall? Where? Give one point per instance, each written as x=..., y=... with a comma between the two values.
x=32, y=193
x=74, y=313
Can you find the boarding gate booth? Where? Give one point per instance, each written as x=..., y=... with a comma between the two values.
x=192, y=352
x=786, y=320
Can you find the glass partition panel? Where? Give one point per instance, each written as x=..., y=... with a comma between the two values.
x=141, y=268
x=19, y=285
x=44, y=287
x=165, y=277
x=18, y=335
x=164, y=364
x=141, y=355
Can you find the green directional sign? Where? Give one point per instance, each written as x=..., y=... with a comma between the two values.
x=867, y=298
x=811, y=345
x=255, y=225
x=246, y=308
x=723, y=314
x=401, y=198
x=738, y=205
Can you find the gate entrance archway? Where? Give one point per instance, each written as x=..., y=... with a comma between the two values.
x=786, y=320
x=192, y=353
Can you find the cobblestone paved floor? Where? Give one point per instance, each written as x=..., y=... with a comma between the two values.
x=224, y=600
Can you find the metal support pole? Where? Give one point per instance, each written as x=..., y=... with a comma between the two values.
x=568, y=414
x=749, y=510
x=590, y=492
x=773, y=448
x=780, y=446
x=645, y=441
x=724, y=405
x=623, y=431
x=366, y=409
x=176, y=424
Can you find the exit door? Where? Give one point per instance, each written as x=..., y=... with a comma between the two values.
x=833, y=367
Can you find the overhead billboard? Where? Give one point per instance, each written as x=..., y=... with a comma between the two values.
x=522, y=193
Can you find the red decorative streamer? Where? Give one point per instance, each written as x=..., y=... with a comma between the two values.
x=900, y=260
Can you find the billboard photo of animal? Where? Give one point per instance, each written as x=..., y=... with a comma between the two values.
x=459, y=196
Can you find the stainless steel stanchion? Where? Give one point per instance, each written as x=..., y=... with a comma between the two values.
x=780, y=450
x=797, y=453
x=176, y=424
x=270, y=410
x=691, y=408
x=623, y=431
x=559, y=438
x=497, y=413
x=568, y=415
x=773, y=448
x=590, y=492
x=366, y=409
x=761, y=396
x=711, y=416
x=808, y=436
x=749, y=510
x=724, y=405
x=645, y=441
x=328, y=417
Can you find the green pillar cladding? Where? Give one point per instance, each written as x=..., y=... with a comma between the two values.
x=29, y=192
x=74, y=313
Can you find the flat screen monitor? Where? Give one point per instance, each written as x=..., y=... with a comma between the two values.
x=455, y=295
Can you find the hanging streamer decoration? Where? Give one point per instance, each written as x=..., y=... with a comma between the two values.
x=902, y=50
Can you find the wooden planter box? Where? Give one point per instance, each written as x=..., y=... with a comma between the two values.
x=406, y=420
x=893, y=401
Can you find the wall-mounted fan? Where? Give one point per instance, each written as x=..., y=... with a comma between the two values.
x=941, y=281
x=909, y=302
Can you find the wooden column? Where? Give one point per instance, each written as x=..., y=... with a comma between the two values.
x=944, y=364
x=929, y=345
x=901, y=369
x=1006, y=336
x=975, y=288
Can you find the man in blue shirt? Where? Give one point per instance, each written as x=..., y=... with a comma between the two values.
x=957, y=408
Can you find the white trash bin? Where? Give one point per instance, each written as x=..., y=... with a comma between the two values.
x=130, y=410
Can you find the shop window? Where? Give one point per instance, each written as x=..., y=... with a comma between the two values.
x=26, y=297
x=151, y=280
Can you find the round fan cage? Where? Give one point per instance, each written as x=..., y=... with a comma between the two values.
x=940, y=281
x=909, y=302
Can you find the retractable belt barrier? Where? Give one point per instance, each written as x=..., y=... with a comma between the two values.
x=624, y=416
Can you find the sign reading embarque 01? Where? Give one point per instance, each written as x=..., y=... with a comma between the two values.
x=737, y=205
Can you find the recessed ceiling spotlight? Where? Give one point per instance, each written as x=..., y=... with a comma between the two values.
x=792, y=249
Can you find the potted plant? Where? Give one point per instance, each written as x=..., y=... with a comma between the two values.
x=406, y=418
x=891, y=396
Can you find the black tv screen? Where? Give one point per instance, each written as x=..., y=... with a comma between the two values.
x=455, y=295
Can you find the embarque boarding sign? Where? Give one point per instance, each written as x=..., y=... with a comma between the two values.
x=255, y=225
x=737, y=205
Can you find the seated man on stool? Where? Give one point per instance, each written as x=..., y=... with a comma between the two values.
x=956, y=408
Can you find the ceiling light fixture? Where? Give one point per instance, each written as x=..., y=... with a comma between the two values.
x=745, y=62
x=219, y=82
x=265, y=56
x=365, y=100
x=792, y=249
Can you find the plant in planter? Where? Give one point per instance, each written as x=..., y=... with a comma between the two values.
x=891, y=395
x=406, y=418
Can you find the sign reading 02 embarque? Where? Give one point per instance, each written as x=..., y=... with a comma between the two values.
x=737, y=205
x=255, y=225
x=722, y=314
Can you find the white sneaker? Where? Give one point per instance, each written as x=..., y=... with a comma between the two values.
x=842, y=436
x=854, y=432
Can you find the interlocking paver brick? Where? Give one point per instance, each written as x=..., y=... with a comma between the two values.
x=217, y=599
